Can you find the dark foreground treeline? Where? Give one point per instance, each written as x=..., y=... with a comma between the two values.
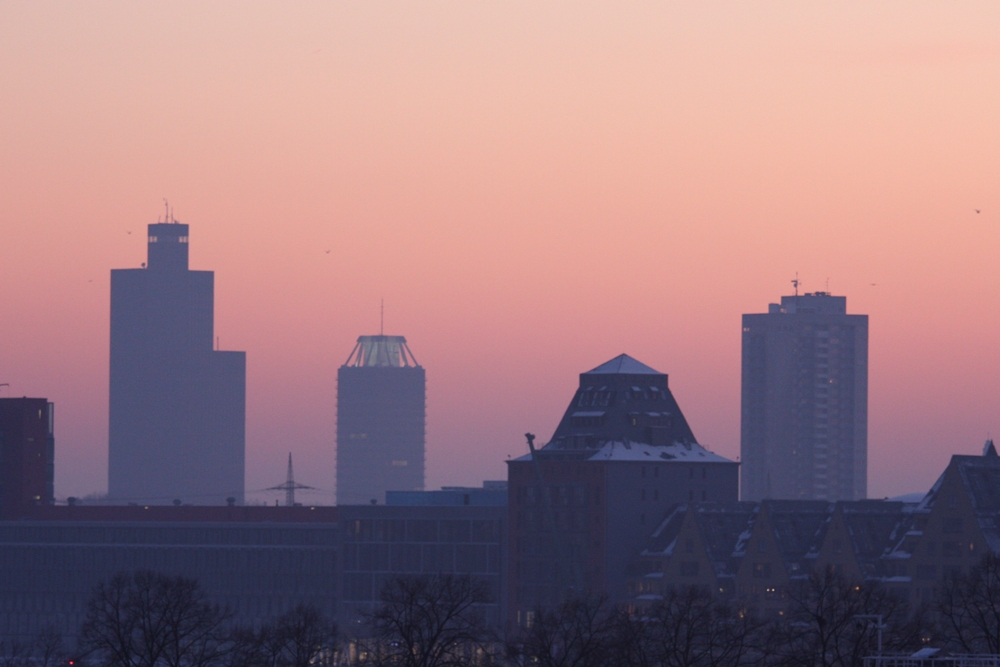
x=145, y=619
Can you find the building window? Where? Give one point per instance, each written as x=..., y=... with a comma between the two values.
x=182, y=239
x=761, y=570
x=689, y=568
x=952, y=525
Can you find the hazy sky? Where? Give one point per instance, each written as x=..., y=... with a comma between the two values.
x=533, y=188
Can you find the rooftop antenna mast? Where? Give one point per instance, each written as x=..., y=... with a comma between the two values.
x=166, y=210
x=289, y=486
x=795, y=283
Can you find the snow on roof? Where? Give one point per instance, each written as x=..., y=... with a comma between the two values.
x=623, y=364
x=640, y=451
x=909, y=497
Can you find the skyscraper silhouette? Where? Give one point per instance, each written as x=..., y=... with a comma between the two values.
x=381, y=401
x=804, y=427
x=177, y=407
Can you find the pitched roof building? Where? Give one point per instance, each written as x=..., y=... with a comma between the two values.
x=754, y=552
x=582, y=506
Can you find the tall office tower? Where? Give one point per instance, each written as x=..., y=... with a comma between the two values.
x=804, y=431
x=27, y=453
x=381, y=409
x=177, y=408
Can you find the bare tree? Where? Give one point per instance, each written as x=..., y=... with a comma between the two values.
x=579, y=633
x=146, y=619
x=14, y=653
x=824, y=627
x=968, y=607
x=301, y=637
x=44, y=650
x=433, y=621
x=688, y=628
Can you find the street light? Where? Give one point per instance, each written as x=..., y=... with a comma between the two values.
x=878, y=625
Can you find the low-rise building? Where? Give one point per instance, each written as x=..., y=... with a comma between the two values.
x=752, y=553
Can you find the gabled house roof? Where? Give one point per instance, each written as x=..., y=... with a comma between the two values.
x=799, y=527
x=873, y=527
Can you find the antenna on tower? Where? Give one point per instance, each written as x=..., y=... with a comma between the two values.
x=289, y=486
x=795, y=283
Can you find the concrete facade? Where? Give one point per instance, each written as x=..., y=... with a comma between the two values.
x=27, y=455
x=381, y=415
x=582, y=506
x=177, y=408
x=804, y=422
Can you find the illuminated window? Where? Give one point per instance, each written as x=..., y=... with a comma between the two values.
x=182, y=239
x=153, y=239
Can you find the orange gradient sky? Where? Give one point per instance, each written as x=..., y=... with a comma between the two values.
x=533, y=188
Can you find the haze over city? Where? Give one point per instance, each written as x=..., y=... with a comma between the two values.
x=532, y=190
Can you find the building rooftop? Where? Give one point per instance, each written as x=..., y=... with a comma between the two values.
x=624, y=411
x=185, y=513
x=813, y=303
x=623, y=364
x=383, y=352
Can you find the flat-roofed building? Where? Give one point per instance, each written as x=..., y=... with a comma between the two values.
x=177, y=405
x=380, y=542
x=381, y=410
x=804, y=423
x=27, y=455
x=258, y=561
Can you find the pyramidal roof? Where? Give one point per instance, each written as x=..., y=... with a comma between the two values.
x=623, y=365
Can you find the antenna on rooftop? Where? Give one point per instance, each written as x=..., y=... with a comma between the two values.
x=166, y=210
x=795, y=283
x=289, y=486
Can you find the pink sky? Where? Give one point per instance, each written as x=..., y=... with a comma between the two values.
x=533, y=188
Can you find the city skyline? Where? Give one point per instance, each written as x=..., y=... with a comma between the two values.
x=532, y=190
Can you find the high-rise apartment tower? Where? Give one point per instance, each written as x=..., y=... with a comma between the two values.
x=177, y=406
x=804, y=431
x=381, y=407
